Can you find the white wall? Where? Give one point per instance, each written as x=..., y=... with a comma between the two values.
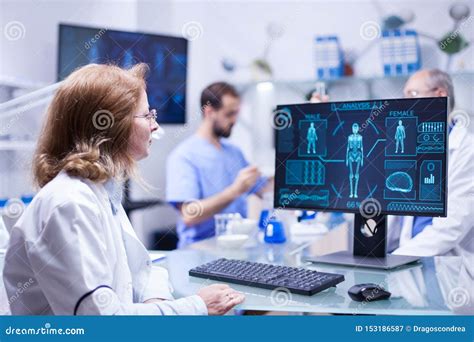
x=34, y=56
x=226, y=29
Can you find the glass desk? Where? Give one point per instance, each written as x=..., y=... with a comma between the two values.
x=434, y=286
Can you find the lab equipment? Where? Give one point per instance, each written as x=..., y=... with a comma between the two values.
x=275, y=232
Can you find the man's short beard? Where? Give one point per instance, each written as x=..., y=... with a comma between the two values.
x=219, y=132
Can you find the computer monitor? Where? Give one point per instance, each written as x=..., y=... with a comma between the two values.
x=166, y=56
x=371, y=158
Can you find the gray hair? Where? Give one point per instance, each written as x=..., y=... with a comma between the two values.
x=440, y=79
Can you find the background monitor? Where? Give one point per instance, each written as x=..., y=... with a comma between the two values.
x=166, y=56
x=341, y=156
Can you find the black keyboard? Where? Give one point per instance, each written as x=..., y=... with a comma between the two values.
x=296, y=280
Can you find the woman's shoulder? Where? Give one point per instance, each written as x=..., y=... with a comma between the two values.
x=64, y=188
x=64, y=194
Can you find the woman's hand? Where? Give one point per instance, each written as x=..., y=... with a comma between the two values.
x=220, y=298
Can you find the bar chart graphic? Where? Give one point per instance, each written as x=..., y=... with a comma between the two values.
x=430, y=179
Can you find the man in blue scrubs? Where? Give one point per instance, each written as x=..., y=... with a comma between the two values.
x=206, y=174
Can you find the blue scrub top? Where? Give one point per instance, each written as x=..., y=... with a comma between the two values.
x=197, y=169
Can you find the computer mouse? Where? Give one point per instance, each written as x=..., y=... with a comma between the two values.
x=368, y=292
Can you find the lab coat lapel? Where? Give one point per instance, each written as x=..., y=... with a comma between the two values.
x=120, y=215
x=124, y=276
x=126, y=226
x=134, y=248
x=407, y=228
x=455, y=137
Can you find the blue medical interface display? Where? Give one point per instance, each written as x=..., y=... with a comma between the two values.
x=333, y=156
x=166, y=56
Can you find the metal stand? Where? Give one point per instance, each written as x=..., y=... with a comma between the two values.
x=370, y=247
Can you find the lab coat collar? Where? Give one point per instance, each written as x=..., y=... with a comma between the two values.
x=456, y=136
x=114, y=192
x=111, y=192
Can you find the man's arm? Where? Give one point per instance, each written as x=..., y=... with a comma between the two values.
x=208, y=207
x=197, y=211
x=268, y=187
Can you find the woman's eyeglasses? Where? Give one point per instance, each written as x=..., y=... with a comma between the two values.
x=150, y=116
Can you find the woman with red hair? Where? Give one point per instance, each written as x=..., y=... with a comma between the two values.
x=74, y=245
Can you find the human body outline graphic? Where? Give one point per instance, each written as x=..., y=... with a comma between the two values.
x=311, y=137
x=354, y=155
x=400, y=136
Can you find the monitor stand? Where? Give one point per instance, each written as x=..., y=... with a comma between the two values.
x=370, y=247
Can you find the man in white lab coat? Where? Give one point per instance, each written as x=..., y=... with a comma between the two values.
x=451, y=235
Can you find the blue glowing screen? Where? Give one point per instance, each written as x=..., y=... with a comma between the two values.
x=166, y=57
x=386, y=156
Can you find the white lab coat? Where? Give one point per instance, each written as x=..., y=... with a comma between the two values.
x=454, y=234
x=69, y=254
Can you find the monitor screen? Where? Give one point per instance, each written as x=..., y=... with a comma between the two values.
x=166, y=56
x=343, y=156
